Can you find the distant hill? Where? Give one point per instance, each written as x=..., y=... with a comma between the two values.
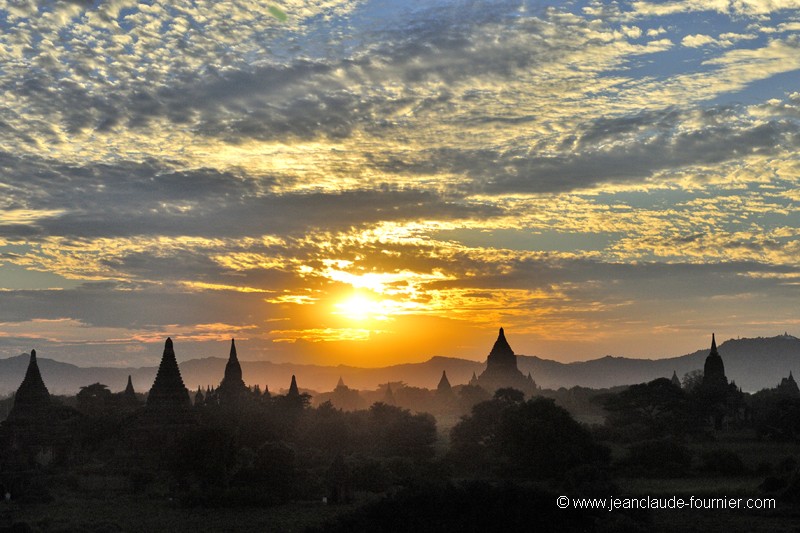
x=753, y=364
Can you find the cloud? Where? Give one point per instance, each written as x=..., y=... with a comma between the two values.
x=697, y=40
x=128, y=199
x=631, y=148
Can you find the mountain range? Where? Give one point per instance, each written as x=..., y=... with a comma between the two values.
x=753, y=364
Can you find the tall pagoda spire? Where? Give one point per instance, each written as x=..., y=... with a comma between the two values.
x=168, y=389
x=32, y=390
x=232, y=386
x=32, y=396
x=444, y=384
x=128, y=399
x=129, y=394
x=501, y=368
x=714, y=369
x=293, y=390
x=129, y=387
x=501, y=353
x=233, y=370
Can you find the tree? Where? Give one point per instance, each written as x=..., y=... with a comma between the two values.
x=470, y=395
x=652, y=410
x=692, y=380
x=394, y=431
x=94, y=399
x=532, y=439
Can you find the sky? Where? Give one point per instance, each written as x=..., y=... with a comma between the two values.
x=375, y=182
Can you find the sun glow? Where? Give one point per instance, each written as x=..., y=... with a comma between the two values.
x=360, y=308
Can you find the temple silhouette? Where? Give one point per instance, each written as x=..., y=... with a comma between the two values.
x=714, y=369
x=232, y=388
x=501, y=369
x=168, y=391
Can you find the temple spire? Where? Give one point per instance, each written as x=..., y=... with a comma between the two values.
x=32, y=392
x=129, y=392
x=444, y=384
x=714, y=369
x=168, y=389
x=501, y=367
x=293, y=389
x=502, y=354
x=232, y=384
x=129, y=386
x=233, y=370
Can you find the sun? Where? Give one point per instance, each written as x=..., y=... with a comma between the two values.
x=361, y=308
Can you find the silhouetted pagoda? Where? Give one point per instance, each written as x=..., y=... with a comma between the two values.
x=32, y=399
x=232, y=387
x=714, y=369
x=37, y=430
x=168, y=391
x=343, y=397
x=501, y=369
x=788, y=386
x=127, y=398
x=444, y=387
x=675, y=379
x=129, y=393
x=294, y=391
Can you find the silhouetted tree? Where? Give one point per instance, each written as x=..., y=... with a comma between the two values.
x=533, y=439
x=94, y=399
x=469, y=395
x=652, y=410
x=393, y=431
x=692, y=380
x=775, y=415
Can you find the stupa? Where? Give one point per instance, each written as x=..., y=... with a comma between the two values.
x=232, y=387
x=168, y=391
x=501, y=369
x=714, y=369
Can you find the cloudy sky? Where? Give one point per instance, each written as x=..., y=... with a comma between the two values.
x=371, y=182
